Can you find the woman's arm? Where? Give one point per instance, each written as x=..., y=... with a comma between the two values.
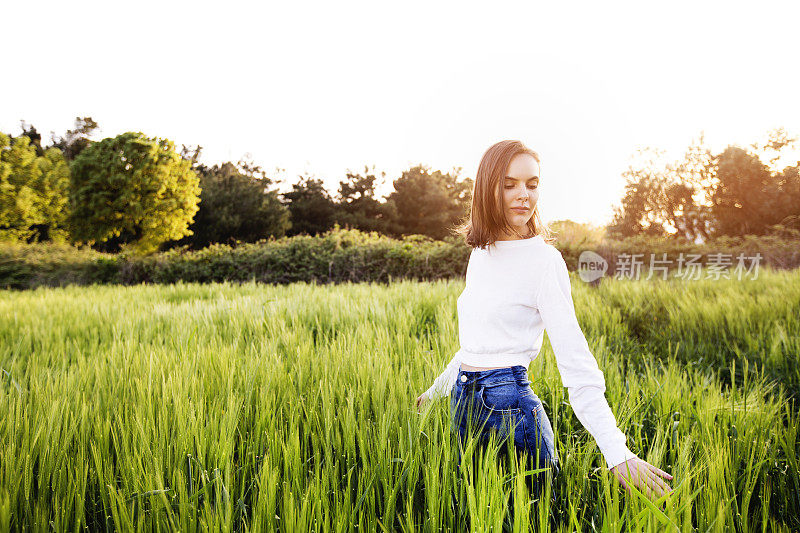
x=445, y=381
x=576, y=364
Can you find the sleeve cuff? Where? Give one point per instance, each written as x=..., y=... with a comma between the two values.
x=443, y=384
x=617, y=457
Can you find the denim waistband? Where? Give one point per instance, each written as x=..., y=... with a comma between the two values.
x=514, y=374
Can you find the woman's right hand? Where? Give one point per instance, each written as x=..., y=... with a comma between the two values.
x=421, y=399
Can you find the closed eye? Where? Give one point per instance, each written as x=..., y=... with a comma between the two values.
x=531, y=187
x=533, y=182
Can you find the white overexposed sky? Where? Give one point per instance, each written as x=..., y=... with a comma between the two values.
x=323, y=87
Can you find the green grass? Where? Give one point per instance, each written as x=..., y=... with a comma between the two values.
x=252, y=407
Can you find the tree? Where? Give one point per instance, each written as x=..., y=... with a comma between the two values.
x=428, y=203
x=236, y=204
x=357, y=206
x=690, y=200
x=742, y=199
x=132, y=187
x=33, y=190
x=667, y=198
x=788, y=192
x=642, y=209
x=780, y=149
x=75, y=140
x=29, y=131
x=311, y=207
x=778, y=146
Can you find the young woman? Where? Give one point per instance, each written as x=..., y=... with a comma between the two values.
x=517, y=287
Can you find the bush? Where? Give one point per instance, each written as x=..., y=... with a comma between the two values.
x=340, y=255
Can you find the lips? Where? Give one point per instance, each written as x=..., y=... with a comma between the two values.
x=520, y=209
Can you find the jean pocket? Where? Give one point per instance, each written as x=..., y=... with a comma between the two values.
x=500, y=399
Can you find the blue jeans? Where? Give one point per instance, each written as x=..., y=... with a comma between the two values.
x=496, y=401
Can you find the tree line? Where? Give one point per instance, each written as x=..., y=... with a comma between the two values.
x=141, y=193
x=705, y=195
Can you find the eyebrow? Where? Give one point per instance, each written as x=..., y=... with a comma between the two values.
x=531, y=178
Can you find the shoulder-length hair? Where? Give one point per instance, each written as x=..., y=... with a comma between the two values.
x=486, y=220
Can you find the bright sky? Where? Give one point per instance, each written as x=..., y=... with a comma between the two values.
x=323, y=87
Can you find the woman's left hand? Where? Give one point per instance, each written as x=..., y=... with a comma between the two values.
x=643, y=476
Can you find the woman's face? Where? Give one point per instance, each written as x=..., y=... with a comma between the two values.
x=520, y=188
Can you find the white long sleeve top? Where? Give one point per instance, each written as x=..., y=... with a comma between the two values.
x=515, y=290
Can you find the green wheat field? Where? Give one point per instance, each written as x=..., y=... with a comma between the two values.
x=257, y=408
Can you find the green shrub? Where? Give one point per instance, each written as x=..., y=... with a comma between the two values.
x=340, y=255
